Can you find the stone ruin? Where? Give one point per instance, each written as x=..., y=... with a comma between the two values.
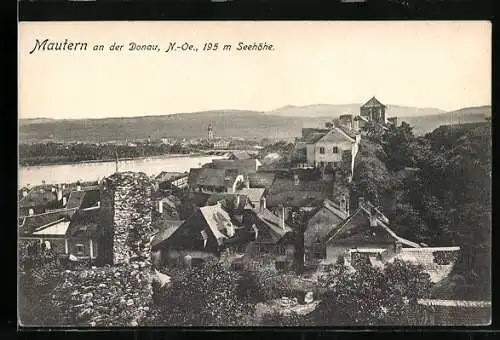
x=126, y=200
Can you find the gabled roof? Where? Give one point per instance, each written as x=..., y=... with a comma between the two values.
x=253, y=194
x=37, y=197
x=169, y=176
x=246, y=165
x=314, y=137
x=306, y=193
x=239, y=155
x=59, y=229
x=36, y=222
x=261, y=179
x=335, y=209
x=168, y=228
x=351, y=133
x=86, y=224
x=269, y=226
x=373, y=102
x=217, y=219
x=357, y=226
x=229, y=201
x=336, y=135
x=83, y=199
x=211, y=177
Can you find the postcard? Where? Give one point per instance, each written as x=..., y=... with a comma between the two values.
x=254, y=173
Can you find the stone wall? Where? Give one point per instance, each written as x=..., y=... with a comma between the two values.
x=131, y=210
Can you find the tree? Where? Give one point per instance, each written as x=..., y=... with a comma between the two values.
x=202, y=296
x=371, y=296
x=373, y=130
x=397, y=143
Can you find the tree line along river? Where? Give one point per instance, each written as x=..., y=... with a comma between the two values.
x=93, y=171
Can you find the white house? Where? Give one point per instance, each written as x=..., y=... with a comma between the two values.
x=333, y=148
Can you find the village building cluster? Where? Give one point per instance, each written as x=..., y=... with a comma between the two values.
x=298, y=219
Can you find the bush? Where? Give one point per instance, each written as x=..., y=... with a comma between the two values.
x=202, y=296
x=291, y=319
x=370, y=296
x=261, y=284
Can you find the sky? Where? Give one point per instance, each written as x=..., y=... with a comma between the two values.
x=442, y=64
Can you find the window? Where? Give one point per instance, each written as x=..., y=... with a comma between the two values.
x=79, y=248
x=335, y=149
x=322, y=150
x=281, y=250
x=237, y=266
x=280, y=265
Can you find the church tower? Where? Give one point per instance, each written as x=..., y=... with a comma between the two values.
x=210, y=132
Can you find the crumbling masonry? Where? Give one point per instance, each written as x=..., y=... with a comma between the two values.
x=127, y=207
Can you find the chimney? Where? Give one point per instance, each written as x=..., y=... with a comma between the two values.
x=31, y=212
x=343, y=204
x=59, y=193
x=397, y=247
x=160, y=206
x=283, y=217
x=262, y=204
x=296, y=179
x=355, y=124
x=64, y=201
x=373, y=217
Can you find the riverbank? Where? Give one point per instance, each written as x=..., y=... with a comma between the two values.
x=93, y=171
x=193, y=154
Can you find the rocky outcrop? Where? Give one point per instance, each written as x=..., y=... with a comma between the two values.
x=117, y=296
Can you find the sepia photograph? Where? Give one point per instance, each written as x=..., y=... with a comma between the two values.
x=254, y=174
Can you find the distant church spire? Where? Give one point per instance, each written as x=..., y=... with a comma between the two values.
x=210, y=132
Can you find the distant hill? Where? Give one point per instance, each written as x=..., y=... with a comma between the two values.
x=424, y=124
x=280, y=123
x=328, y=110
x=35, y=120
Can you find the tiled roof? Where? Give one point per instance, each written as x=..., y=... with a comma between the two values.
x=169, y=176
x=373, y=102
x=75, y=199
x=37, y=198
x=199, y=199
x=217, y=219
x=228, y=201
x=351, y=133
x=239, y=155
x=169, y=227
x=207, y=177
x=336, y=135
x=87, y=224
x=31, y=223
x=274, y=223
x=304, y=194
x=83, y=199
x=314, y=137
x=247, y=165
x=261, y=179
x=253, y=194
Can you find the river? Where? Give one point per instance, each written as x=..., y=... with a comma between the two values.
x=93, y=171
